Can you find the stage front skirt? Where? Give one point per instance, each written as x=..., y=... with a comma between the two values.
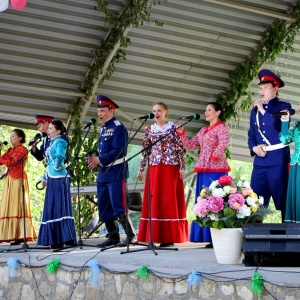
x=168, y=211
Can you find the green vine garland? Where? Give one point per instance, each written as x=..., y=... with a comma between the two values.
x=79, y=168
x=279, y=37
x=134, y=13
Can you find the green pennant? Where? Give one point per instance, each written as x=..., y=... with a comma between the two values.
x=257, y=284
x=52, y=266
x=142, y=272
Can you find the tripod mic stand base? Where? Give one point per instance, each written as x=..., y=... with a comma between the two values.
x=150, y=246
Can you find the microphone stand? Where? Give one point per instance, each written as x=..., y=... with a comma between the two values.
x=25, y=246
x=151, y=245
x=124, y=161
x=75, y=159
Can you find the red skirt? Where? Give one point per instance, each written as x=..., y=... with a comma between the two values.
x=168, y=210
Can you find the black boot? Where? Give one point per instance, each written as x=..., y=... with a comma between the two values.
x=127, y=225
x=114, y=236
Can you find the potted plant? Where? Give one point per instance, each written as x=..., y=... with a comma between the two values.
x=225, y=206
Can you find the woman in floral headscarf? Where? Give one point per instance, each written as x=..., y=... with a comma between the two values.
x=166, y=172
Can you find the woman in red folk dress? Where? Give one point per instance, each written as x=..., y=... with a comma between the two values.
x=11, y=208
x=211, y=163
x=166, y=172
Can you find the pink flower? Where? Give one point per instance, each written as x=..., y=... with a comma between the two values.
x=246, y=191
x=233, y=190
x=235, y=201
x=215, y=204
x=225, y=180
x=201, y=208
x=235, y=206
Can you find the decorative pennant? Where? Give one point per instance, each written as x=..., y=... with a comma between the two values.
x=194, y=279
x=13, y=265
x=94, y=279
x=53, y=265
x=257, y=284
x=142, y=272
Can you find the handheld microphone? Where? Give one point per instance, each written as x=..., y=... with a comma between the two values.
x=4, y=143
x=37, y=137
x=255, y=110
x=149, y=116
x=193, y=117
x=283, y=113
x=91, y=122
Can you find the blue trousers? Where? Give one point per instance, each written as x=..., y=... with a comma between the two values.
x=271, y=182
x=112, y=199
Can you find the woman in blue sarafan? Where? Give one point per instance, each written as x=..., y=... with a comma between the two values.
x=58, y=225
x=287, y=136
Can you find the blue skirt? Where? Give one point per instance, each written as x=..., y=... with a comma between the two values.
x=198, y=233
x=58, y=224
x=292, y=214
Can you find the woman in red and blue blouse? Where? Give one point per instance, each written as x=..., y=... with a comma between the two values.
x=212, y=140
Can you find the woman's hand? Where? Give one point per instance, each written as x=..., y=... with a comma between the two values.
x=182, y=174
x=180, y=129
x=43, y=182
x=286, y=116
x=140, y=176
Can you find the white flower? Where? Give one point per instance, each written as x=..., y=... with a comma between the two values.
x=261, y=200
x=227, y=189
x=218, y=192
x=213, y=217
x=240, y=183
x=246, y=184
x=213, y=185
x=243, y=212
x=251, y=202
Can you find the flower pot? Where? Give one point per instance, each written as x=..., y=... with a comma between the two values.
x=227, y=244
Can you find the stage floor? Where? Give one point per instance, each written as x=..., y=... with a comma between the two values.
x=170, y=263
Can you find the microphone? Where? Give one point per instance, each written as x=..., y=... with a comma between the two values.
x=37, y=137
x=255, y=110
x=193, y=117
x=91, y=122
x=146, y=117
x=4, y=143
x=283, y=113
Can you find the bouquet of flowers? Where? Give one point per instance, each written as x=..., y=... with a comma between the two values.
x=229, y=203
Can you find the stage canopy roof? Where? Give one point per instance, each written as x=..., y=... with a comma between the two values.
x=47, y=48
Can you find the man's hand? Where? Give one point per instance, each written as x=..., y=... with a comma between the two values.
x=259, y=150
x=93, y=162
x=258, y=103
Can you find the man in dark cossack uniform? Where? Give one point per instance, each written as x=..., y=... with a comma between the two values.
x=113, y=169
x=270, y=166
x=42, y=124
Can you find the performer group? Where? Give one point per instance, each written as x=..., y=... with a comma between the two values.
x=163, y=218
